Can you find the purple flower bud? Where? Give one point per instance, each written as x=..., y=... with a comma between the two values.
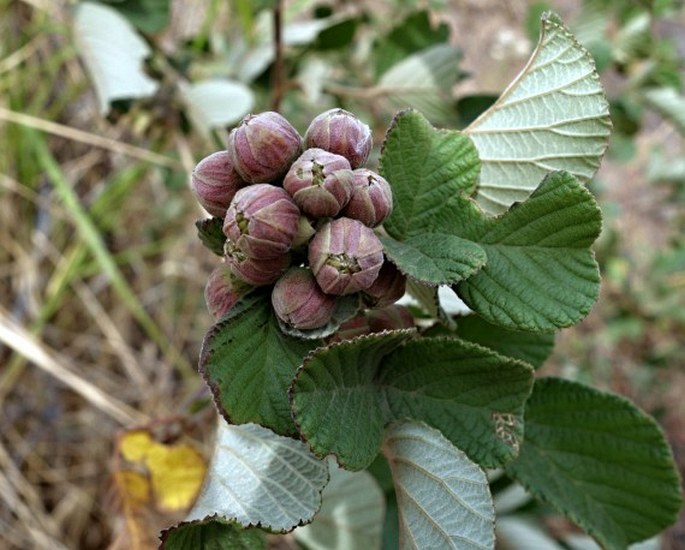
x=345, y=256
x=257, y=272
x=342, y=133
x=299, y=302
x=388, y=287
x=263, y=147
x=357, y=326
x=319, y=182
x=223, y=290
x=389, y=318
x=262, y=221
x=371, y=200
x=214, y=182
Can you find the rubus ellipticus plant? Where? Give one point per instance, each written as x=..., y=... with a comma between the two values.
x=312, y=357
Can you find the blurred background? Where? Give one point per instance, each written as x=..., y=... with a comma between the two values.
x=105, y=108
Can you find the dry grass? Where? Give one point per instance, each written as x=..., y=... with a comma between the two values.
x=101, y=277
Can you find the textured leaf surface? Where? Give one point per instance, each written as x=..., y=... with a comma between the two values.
x=351, y=515
x=113, y=53
x=443, y=498
x=532, y=347
x=435, y=258
x=259, y=478
x=599, y=460
x=216, y=103
x=428, y=169
x=212, y=534
x=541, y=274
x=211, y=234
x=344, y=396
x=249, y=363
x=554, y=116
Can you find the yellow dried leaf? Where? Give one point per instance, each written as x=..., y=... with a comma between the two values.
x=176, y=471
x=133, y=486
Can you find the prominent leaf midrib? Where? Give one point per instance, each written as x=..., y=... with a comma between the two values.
x=440, y=481
x=553, y=127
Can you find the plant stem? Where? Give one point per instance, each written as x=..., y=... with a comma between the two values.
x=277, y=78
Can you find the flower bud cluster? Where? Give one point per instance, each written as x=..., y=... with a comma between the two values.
x=298, y=214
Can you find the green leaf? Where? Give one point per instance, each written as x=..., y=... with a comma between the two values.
x=435, y=258
x=335, y=402
x=212, y=534
x=249, y=363
x=115, y=64
x=351, y=514
x=424, y=81
x=531, y=347
x=599, y=460
x=444, y=498
x=553, y=116
x=259, y=478
x=428, y=169
x=216, y=102
x=344, y=395
x=211, y=234
x=413, y=34
x=541, y=274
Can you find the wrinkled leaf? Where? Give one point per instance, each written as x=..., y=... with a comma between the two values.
x=344, y=395
x=443, y=498
x=531, y=347
x=259, y=478
x=249, y=363
x=434, y=258
x=212, y=534
x=351, y=515
x=541, y=273
x=599, y=460
x=113, y=53
x=553, y=116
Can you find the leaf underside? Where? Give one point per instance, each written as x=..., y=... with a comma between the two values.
x=553, y=116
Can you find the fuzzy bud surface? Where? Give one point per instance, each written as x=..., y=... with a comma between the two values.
x=319, y=182
x=345, y=256
x=257, y=272
x=340, y=132
x=214, y=182
x=371, y=198
x=299, y=302
x=263, y=147
x=389, y=286
x=262, y=221
x=223, y=290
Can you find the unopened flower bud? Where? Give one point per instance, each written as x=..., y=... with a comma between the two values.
x=345, y=256
x=257, y=272
x=263, y=147
x=299, y=302
x=393, y=317
x=223, y=290
x=214, y=182
x=319, y=182
x=262, y=221
x=340, y=132
x=389, y=286
x=371, y=199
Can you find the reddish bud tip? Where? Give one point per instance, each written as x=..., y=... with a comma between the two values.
x=223, y=290
x=214, y=182
x=371, y=199
x=257, y=272
x=342, y=133
x=389, y=286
